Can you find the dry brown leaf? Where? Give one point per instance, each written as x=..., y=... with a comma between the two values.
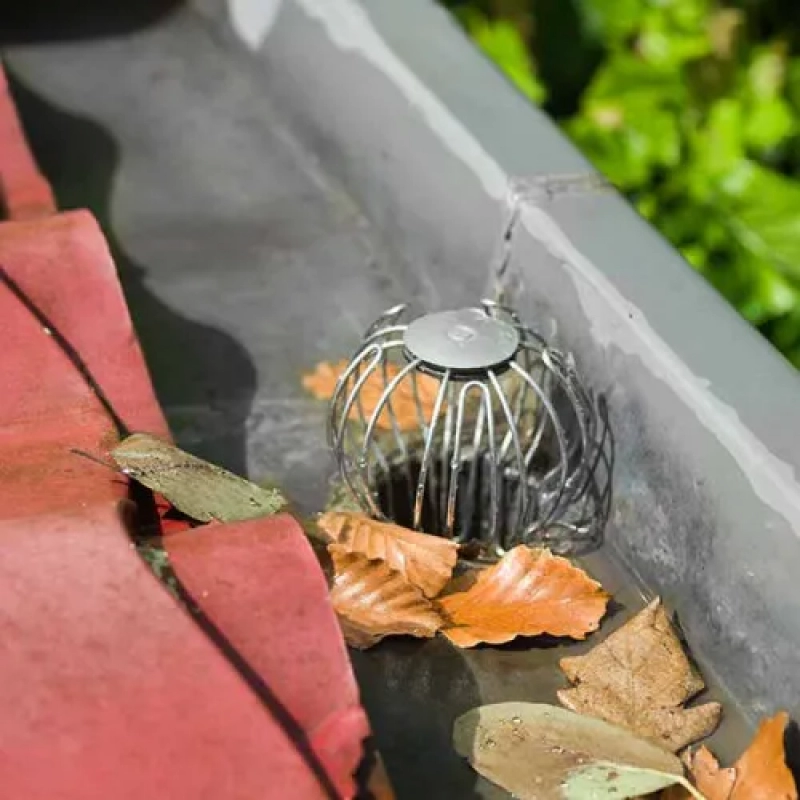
x=639, y=678
x=527, y=593
x=372, y=601
x=425, y=561
x=759, y=774
x=708, y=777
x=321, y=382
x=713, y=782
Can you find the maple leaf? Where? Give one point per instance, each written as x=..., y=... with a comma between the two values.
x=639, y=678
x=425, y=561
x=373, y=601
x=405, y=402
x=527, y=593
x=759, y=774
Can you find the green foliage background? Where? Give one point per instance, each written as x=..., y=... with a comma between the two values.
x=692, y=109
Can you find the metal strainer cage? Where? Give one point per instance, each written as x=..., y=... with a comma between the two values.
x=466, y=424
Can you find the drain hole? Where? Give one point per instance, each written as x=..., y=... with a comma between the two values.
x=472, y=511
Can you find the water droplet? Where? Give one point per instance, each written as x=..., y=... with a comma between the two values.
x=516, y=720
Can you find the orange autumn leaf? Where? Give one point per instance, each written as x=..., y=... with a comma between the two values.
x=761, y=771
x=527, y=593
x=321, y=382
x=423, y=560
x=759, y=774
x=372, y=601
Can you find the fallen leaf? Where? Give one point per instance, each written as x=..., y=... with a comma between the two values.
x=707, y=776
x=199, y=489
x=610, y=781
x=378, y=786
x=542, y=752
x=527, y=593
x=423, y=560
x=761, y=771
x=373, y=601
x=639, y=678
x=321, y=383
x=759, y=774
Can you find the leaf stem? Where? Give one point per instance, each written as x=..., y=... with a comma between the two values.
x=691, y=789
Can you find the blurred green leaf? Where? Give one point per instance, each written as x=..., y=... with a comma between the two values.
x=627, y=78
x=690, y=107
x=793, y=84
x=717, y=146
x=504, y=45
x=766, y=72
x=769, y=123
x=613, y=20
x=765, y=217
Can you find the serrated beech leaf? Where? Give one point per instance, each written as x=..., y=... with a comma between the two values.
x=423, y=560
x=321, y=382
x=527, y=593
x=373, y=601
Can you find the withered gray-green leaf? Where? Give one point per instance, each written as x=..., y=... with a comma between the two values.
x=607, y=781
x=199, y=489
x=542, y=752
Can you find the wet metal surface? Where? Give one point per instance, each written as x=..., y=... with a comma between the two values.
x=414, y=691
x=244, y=265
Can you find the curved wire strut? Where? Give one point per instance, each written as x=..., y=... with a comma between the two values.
x=491, y=455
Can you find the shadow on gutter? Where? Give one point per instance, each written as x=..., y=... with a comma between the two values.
x=192, y=365
x=33, y=21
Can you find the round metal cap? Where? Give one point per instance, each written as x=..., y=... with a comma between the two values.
x=466, y=340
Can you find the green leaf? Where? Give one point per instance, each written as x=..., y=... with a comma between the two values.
x=793, y=83
x=696, y=255
x=621, y=158
x=775, y=294
x=629, y=125
x=766, y=71
x=199, y=489
x=687, y=15
x=769, y=123
x=629, y=79
x=667, y=48
x=717, y=146
x=618, y=781
x=503, y=44
x=613, y=20
x=542, y=752
x=764, y=209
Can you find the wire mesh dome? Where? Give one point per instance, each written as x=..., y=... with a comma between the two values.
x=466, y=424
